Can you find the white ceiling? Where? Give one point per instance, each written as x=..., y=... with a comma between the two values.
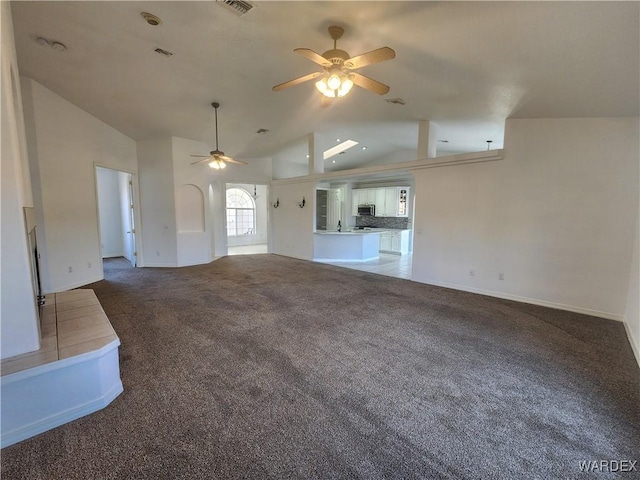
x=467, y=66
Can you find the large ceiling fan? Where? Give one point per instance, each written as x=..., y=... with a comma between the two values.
x=216, y=158
x=338, y=76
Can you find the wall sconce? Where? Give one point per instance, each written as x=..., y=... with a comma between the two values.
x=302, y=203
x=277, y=204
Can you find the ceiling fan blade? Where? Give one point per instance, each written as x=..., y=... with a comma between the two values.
x=374, y=56
x=200, y=156
x=206, y=159
x=369, y=84
x=232, y=160
x=296, y=81
x=313, y=56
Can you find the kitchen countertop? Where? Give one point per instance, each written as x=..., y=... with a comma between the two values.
x=350, y=232
x=361, y=231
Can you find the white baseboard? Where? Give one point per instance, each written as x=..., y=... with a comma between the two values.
x=112, y=255
x=71, y=286
x=533, y=301
x=344, y=260
x=163, y=265
x=298, y=257
x=635, y=346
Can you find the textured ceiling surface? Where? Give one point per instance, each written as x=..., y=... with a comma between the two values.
x=466, y=66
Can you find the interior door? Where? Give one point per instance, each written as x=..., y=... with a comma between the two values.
x=131, y=233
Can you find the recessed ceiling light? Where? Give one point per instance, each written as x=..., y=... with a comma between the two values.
x=307, y=155
x=333, y=161
x=337, y=139
x=151, y=19
x=444, y=141
x=364, y=147
x=262, y=131
x=61, y=47
x=42, y=41
x=397, y=101
x=347, y=144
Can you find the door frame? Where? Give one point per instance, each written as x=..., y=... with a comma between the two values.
x=133, y=194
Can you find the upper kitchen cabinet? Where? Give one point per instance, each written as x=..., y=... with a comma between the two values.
x=389, y=201
x=403, y=202
x=368, y=196
x=355, y=201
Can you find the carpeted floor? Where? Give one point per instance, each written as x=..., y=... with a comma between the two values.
x=267, y=367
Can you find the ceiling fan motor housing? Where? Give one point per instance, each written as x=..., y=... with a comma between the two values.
x=336, y=56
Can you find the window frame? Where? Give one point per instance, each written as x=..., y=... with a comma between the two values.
x=251, y=230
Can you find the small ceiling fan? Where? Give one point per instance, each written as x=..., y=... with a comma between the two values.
x=217, y=159
x=338, y=76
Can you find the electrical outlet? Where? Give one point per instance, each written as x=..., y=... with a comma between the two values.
x=472, y=272
x=88, y=264
x=501, y=276
x=70, y=269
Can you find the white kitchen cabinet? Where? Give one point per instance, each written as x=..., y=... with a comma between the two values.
x=396, y=242
x=389, y=201
x=368, y=196
x=385, y=242
x=379, y=202
x=403, y=202
x=362, y=196
x=355, y=201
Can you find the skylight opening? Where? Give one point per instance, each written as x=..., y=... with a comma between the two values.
x=341, y=147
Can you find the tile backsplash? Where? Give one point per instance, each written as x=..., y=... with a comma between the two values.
x=383, y=222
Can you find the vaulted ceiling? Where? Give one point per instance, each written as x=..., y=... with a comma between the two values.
x=466, y=66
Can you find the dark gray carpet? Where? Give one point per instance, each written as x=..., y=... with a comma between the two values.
x=267, y=367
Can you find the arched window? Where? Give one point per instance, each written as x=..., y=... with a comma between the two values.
x=241, y=209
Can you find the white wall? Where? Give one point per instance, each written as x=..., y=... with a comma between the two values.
x=283, y=168
x=157, y=203
x=291, y=226
x=65, y=143
x=203, y=247
x=556, y=216
x=19, y=321
x=166, y=173
x=632, y=315
x=110, y=212
x=400, y=155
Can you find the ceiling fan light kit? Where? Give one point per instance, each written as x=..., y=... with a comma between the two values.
x=217, y=164
x=216, y=158
x=336, y=85
x=338, y=78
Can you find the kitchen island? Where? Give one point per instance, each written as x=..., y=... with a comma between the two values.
x=348, y=246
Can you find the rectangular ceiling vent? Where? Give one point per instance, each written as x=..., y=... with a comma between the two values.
x=164, y=52
x=239, y=7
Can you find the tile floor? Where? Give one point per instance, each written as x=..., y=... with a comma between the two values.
x=398, y=266
x=248, y=249
x=72, y=323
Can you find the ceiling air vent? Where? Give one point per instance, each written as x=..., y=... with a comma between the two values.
x=239, y=7
x=161, y=51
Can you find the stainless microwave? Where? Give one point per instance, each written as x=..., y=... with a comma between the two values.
x=366, y=210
